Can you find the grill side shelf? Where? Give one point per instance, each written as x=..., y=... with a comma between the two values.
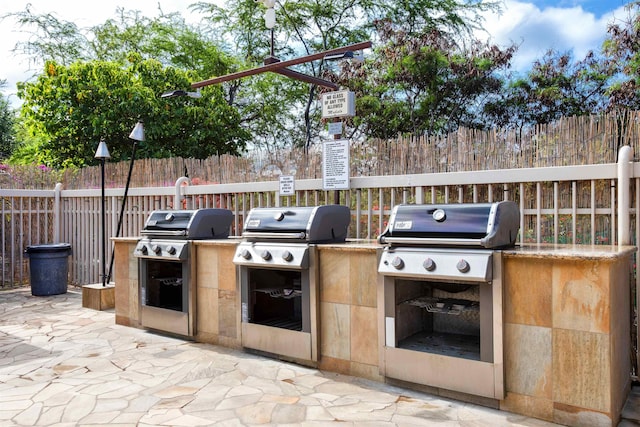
x=451, y=306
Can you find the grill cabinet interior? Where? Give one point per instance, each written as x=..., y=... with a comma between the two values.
x=438, y=317
x=275, y=298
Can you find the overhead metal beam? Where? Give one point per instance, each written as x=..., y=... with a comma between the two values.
x=307, y=78
x=300, y=76
x=279, y=66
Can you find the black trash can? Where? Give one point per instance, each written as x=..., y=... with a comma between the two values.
x=48, y=268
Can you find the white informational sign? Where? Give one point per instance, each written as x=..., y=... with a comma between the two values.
x=287, y=185
x=335, y=164
x=340, y=103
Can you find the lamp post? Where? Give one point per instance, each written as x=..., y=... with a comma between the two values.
x=137, y=135
x=102, y=153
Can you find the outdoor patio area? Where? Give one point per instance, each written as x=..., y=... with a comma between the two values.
x=62, y=364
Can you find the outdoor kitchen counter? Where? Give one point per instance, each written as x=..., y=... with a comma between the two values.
x=567, y=339
x=583, y=252
x=566, y=315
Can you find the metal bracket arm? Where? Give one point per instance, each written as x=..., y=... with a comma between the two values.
x=281, y=68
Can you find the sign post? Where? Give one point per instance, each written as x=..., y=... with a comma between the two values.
x=335, y=154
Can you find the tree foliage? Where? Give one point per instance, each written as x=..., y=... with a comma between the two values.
x=306, y=27
x=623, y=54
x=74, y=107
x=427, y=74
x=556, y=86
x=7, y=119
x=113, y=76
x=423, y=83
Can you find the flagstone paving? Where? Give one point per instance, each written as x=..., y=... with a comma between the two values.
x=65, y=365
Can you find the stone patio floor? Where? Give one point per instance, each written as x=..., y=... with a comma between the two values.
x=65, y=365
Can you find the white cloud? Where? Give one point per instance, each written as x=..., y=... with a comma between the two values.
x=535, y=31
x=17, y=68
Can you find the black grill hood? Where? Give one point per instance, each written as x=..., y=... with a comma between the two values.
x=189, y=224
x=488, y=225
x=310, y=224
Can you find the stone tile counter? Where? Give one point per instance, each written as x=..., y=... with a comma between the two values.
x=567, y=332
x=566, y=314
x=217, y=294
x=348, y=314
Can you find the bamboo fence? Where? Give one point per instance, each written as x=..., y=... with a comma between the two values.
x=569, y=141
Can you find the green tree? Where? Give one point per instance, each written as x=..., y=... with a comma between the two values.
x=622, y=50
x=71, y=108
x=308, y=26
x=97, y=82
x=7, y=119
x=556, y=86
x=424, y=83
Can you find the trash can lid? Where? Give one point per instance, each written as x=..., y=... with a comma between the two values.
x=53, y=247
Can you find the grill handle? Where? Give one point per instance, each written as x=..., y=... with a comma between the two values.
x=159, y=233
x=264, y=235
x=430, y=241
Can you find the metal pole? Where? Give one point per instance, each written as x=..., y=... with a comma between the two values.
x=124, y=201
x=104, y=233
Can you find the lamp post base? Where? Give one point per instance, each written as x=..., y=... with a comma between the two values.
x=98, y=297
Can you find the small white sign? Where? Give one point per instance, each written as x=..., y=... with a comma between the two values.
x=340, y=103
x=335, y=128
x=335, y=164
x=287, y=185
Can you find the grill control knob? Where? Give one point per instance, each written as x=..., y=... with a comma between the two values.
x=144, y=250
x=265, y=255
x=397, y=263
x=463, y=266
x=156, y=249
x=279, y=216
x=429, y=264
x=171, y=250
x=287, y=256
x=245, y=254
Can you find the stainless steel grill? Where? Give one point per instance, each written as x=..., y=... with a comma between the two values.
x=166, y=268
x=277, y=273
x=441, y=286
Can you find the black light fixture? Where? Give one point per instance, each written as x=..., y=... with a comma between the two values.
x=137, y=135
x=178, y=92
x=337, y=56
x=102, y=153
x=347, y=54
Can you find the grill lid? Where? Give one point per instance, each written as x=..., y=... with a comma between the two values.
x=189, y=224
x=310, y=224
x=488, y=225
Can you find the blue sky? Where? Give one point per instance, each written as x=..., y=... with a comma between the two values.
x=535, y=25
x=597, y=7
x=563, y=25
